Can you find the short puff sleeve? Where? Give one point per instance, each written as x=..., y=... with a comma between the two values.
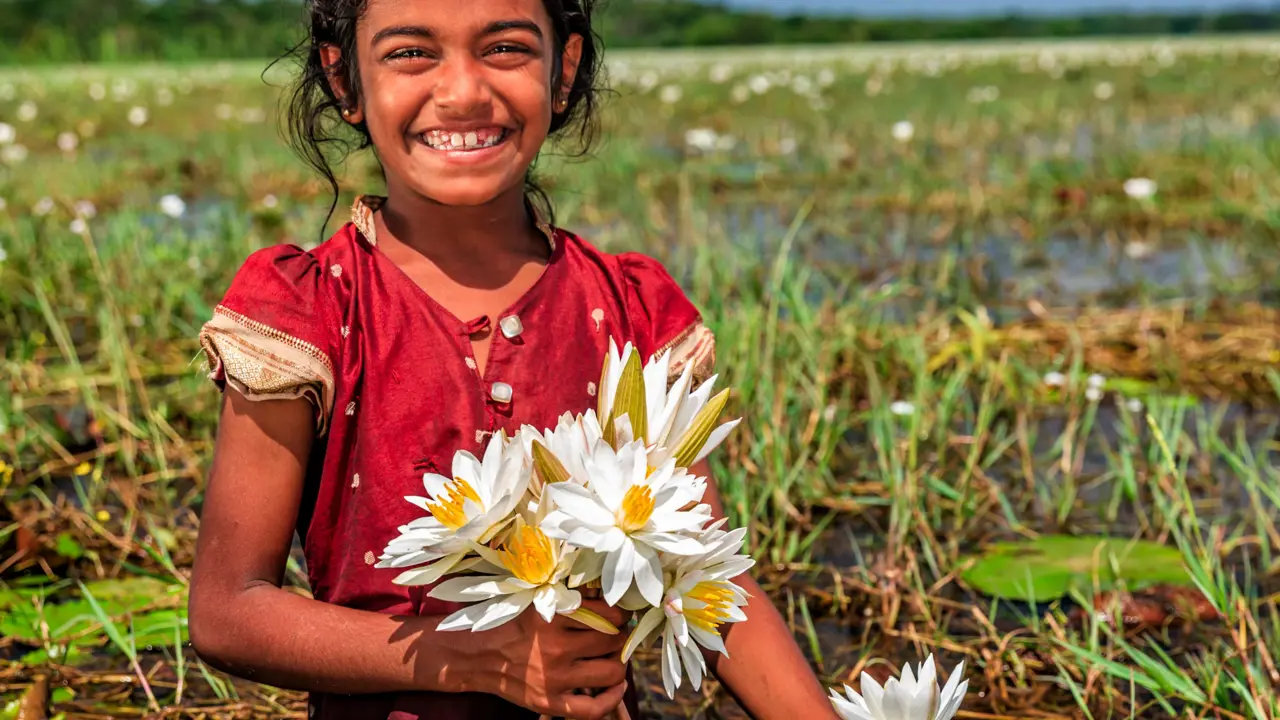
x=270, y=337
x=665, y=319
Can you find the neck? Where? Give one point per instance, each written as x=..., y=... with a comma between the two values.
x=448, y=233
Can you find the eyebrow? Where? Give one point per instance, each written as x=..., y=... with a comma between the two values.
x=422, y=32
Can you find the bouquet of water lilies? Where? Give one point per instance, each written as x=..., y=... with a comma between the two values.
x=603, y=501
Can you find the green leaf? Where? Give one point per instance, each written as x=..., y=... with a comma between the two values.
x=62, y=695
x=67, y=547
x=1053, y=565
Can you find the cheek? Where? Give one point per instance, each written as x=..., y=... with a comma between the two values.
x=391, y=109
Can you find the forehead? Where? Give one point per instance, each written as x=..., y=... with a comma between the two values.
x=451, y=15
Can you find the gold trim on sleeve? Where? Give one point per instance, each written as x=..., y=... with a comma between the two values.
x=263, y=363
x=695, y=346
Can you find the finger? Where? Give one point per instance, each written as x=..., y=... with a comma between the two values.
x=585, y=707
x=598, y=674
x=586, y=646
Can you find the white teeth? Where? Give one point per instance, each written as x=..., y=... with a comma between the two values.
x=440, y=140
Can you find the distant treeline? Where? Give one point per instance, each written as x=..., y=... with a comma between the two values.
x=108, y=30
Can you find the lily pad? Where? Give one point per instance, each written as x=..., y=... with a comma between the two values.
x=1053, y=565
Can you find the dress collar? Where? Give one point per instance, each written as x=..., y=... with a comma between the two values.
x=365, y=206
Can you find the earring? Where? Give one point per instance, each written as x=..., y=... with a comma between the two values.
x=347, y=113
x=562, y=104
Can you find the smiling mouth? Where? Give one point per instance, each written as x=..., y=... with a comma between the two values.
x=469, y=140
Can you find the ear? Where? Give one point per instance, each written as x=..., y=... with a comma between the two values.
x=331, y=60
x=569, y=71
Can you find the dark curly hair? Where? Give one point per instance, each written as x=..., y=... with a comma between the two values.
x=313, y=115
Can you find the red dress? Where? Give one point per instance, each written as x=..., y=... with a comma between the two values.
x=396, y=391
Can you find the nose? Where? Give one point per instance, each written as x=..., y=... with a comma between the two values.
x=461, y=87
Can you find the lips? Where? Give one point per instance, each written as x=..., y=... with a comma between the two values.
x=459, y=139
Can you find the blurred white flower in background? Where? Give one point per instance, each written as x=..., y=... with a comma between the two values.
x=122, y=89
x=1134, y=405
x=223, y=111
x=826, y=77
x=701, y=139
x=1140, y=188
x=720, y=73
x=3, y=204
x=270, y=202
x=138, y=116
x=1093, y=394
x=1104, y=90
x=1097, y=381
x=1055, y=379
x=84, y=208
x=740, y=94
x=903, y=131
x=759, y=84
x=671, y=94
x=79, y=226
x=252, y=116
x=43, y=207
x=7, y=91
x=13, y=154
x=902, y=408
x=164, y=97
x=68, y=142
x=28, y=111
x=98, y=91
x=7, y=134
x=3, y=255
x=173, y=206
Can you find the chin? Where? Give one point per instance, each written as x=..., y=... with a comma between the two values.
x=463, y=194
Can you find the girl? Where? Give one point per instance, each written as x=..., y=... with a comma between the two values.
x=442, y=313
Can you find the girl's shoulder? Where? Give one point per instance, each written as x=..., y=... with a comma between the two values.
x=278, y=328
x=663, y=316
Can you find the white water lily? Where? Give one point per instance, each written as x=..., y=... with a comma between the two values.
x=700, y=597
x=674, y=423
x=473, y=506
x=910, y=697
x=629, y=514
x=571, y=441
x=173, y=206
x=1140, y=188
x=529, y=569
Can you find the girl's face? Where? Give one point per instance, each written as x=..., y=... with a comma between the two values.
x=458, y=95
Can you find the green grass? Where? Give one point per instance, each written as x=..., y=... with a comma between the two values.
x=886, y=311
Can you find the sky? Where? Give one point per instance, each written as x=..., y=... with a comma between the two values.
x=986, y=7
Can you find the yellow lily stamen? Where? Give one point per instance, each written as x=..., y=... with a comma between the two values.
x=448, y=508
x=529, y=555
x=716, y=597
x=637, y=508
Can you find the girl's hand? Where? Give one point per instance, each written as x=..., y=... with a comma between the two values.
x=543, y=666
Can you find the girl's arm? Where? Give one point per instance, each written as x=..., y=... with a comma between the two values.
x=243, y=622
x=765, y=671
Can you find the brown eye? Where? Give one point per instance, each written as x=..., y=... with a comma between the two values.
x=407, y=54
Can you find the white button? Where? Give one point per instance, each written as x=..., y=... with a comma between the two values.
x=511, y=326
x=501, y=392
